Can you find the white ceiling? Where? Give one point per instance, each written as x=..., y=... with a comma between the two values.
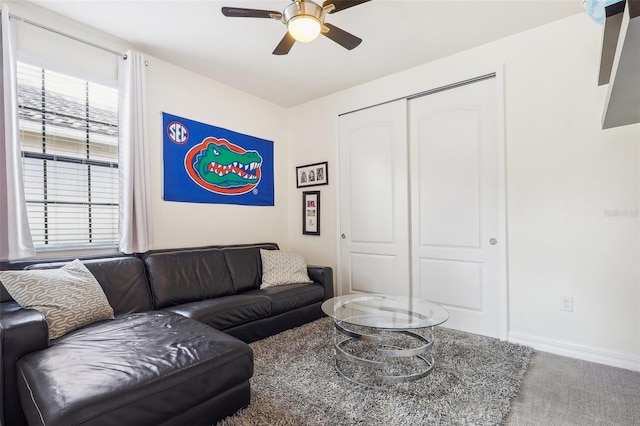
x=397, y=34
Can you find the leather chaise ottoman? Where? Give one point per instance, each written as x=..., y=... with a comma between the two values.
x=142, y=369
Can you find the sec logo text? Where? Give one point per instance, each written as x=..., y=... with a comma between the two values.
x=177, y=132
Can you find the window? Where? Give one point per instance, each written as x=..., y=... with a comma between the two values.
x=69, y=144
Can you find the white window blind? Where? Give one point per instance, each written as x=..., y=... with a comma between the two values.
x=69, y=143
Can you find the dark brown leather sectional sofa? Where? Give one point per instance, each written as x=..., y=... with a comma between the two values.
x=176, y=352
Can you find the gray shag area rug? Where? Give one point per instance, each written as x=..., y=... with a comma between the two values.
x=295, y=383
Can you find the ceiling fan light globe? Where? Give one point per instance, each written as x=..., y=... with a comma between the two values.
x=304, y=28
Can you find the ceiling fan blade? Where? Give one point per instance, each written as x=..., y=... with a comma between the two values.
x=285, y=44
x=342, y=4
x=238, y=12
x=343, y=38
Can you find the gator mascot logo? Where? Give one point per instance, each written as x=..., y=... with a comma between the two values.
x=219, y=166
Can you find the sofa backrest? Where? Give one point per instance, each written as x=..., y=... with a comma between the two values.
x=123, y=280
x=4, y=295
x=188, y=275
x=182, y=276
x=18, y=265
x=245, y=265
x=171, y=276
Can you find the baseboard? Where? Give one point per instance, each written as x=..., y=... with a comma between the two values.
x=573, y=350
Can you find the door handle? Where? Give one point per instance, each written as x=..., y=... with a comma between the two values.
x=493, y=241
x=343, y=236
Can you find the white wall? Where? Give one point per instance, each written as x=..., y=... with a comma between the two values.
x=62, y=53
x=566, y=181
x=177, y=91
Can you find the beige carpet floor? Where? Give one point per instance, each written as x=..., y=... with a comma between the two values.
x=561, y=391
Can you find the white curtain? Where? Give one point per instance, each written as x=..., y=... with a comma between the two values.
x=135, y=189
x=15, y=237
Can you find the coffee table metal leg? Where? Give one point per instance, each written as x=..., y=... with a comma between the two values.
x=381, y=341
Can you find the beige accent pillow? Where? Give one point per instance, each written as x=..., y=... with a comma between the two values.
x=281, y=267
x=69, y=297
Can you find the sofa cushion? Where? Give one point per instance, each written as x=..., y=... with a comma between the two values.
x=281, y=267
x=245, y=265
x=184, y=276
x=224, y=312
x=123, y=280
x=285, y=298
x=141, y=368
x=69, y=297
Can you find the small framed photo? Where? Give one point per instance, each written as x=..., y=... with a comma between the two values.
x=311, y=212
x=312, y=175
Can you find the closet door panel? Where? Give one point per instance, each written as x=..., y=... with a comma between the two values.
x=455, y=252
x=371, y=183
x=449, y=178
x=374, y=218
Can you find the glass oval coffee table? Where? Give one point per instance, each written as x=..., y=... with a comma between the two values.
x=381, y=339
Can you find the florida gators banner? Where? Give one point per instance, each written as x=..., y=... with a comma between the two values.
x=209, y=164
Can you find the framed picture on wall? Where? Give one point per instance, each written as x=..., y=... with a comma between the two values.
x=311, y=212
x=312, y=175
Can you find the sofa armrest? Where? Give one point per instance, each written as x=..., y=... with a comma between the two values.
x=22, y=331
x=322, y=275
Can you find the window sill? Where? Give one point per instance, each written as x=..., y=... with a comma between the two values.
x=43, y=253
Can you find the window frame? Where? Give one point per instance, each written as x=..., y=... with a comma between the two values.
x=75, y=249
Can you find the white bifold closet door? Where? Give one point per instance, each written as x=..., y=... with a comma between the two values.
x=420, y=205
x=455, y=257
x=374, y=244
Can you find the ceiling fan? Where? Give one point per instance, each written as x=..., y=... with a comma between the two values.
x=305, y=21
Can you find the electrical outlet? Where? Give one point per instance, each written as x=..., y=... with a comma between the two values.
x=566, y=303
